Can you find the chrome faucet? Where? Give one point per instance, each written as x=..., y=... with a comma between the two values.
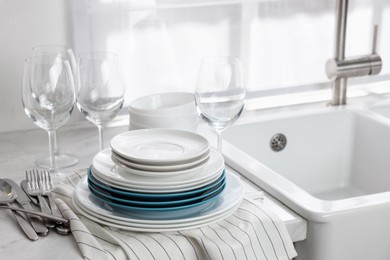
x=339, y=69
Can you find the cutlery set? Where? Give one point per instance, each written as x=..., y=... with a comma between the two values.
x=31, y=198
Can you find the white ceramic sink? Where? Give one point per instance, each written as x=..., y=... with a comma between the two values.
x=331, y=156
x=334, y=171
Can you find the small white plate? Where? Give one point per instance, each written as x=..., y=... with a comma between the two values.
x=227, y=200
x=160, y=170
x=160, y=146
x=106, y=169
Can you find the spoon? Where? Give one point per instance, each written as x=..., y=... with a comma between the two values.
x=7, y=195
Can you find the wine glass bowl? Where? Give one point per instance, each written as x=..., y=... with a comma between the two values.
x=220, y=92
x=100, y=111
x=48, y=94
x=57, y=50
x=220, y=110
x=101, y=89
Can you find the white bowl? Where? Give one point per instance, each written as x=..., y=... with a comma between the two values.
x=165, y=104
x=191, y=128
x=162, y=120
x=167, y=110
x=189, y=123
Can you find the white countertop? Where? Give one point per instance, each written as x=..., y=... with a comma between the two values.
x=18, y=152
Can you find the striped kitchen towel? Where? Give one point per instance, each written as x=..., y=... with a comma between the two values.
x=250, y=233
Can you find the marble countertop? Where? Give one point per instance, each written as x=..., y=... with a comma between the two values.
x=18, y=152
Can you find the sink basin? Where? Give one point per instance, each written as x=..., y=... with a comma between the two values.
x=382, y=109
x=333, y=168
x=331, y=156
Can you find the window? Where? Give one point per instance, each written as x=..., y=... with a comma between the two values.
x=283, y=44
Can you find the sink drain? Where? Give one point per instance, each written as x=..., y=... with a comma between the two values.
x=278, y=142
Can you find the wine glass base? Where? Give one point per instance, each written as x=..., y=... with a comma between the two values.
x=61, y=161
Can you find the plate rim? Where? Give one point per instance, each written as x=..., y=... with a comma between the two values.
x=153, y=189
x=153, y=132
x=102, y=164
x=236, y=200
x=156, y=170
x=152, y=195
x=149, y=227
x=215, y=191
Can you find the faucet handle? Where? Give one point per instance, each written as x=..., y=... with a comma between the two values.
x=374, y=39
x=370, y=64
x=374, y=58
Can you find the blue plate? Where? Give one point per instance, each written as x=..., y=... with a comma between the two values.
x=154, y=197
x=159, y=204
x=197, y=203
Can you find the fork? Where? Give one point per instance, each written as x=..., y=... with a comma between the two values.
x=32, y=177
x=46, y=185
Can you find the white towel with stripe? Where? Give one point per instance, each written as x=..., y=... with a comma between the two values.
x=250, y=233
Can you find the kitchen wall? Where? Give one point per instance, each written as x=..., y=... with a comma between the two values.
x=23, y=24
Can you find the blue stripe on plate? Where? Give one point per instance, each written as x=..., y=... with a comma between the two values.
x=165, y=209
x=140, y=203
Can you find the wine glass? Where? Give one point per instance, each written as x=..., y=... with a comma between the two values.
x=61, y=159
x=48, y=95
x=220, y=92
x=101, y=88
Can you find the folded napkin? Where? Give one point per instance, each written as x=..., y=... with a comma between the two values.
x=251, y=232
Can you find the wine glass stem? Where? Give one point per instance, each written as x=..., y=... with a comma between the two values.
x=52, y=135
x=100, y=128
x=219, y=141
x=56, y=148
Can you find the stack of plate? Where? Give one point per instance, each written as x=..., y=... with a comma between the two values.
x=158, y=180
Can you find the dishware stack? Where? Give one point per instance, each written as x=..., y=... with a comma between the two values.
x=175, y=110
x=158, y=180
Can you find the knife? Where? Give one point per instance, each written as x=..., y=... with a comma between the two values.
x=25, y=225
x=24, y=201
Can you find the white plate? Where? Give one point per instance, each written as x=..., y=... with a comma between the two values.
x=160, y=170
x=130, y=226
x=157, y=189
x=157, y=174
x=106, y=169
x=229, y=199
x=160, y=146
